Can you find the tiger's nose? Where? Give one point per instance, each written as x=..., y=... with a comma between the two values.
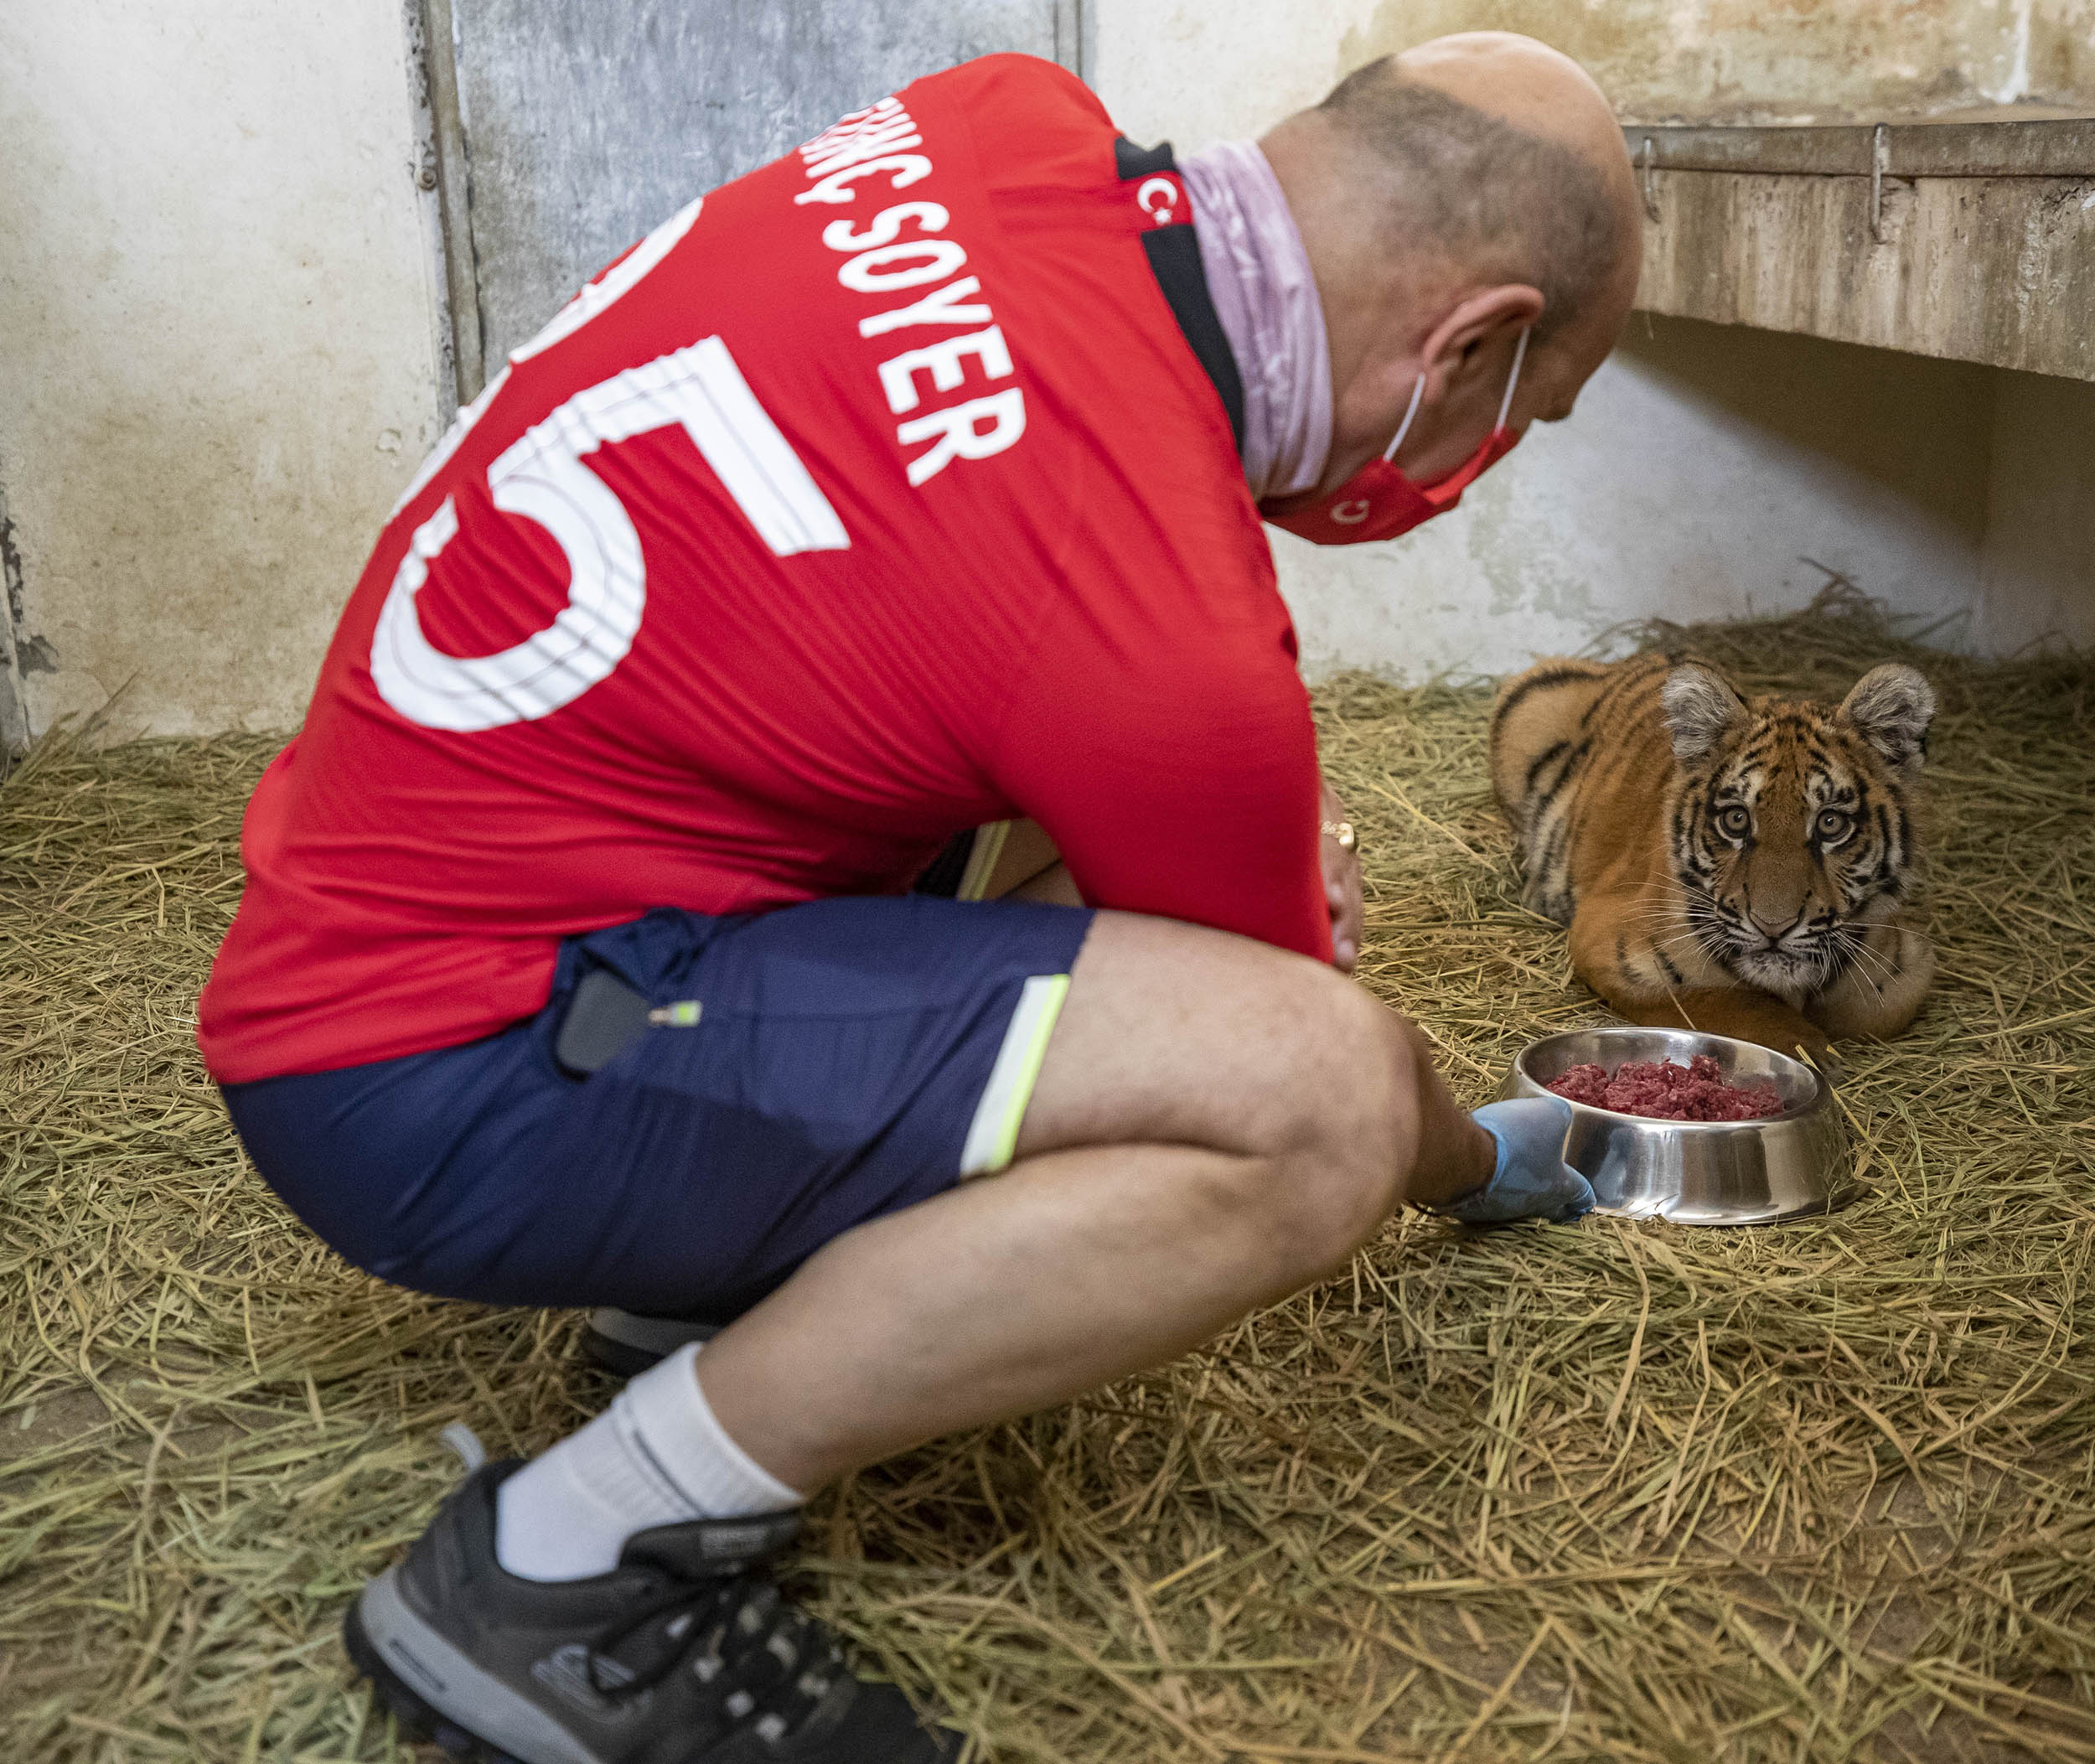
x=1774, y=933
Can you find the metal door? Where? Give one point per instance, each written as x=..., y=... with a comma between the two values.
x=562, y=129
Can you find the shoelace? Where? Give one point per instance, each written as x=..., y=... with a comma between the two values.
x=754, y=1654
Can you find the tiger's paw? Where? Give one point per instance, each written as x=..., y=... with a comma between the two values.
x=1879, y=990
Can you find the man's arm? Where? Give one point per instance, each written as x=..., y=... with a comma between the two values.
x=1029, y=867
x=1186, y=794
x=1341, y=856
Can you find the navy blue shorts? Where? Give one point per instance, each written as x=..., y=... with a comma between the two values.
x=828, y=1063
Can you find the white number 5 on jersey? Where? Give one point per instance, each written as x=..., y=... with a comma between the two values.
x=542, y=478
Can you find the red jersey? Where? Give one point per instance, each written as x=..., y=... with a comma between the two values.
x=875, y=496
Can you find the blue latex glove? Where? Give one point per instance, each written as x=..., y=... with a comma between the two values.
x=1532, y=1180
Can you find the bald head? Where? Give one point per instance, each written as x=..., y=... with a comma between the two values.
x=1522, y=82
x=1503, y=155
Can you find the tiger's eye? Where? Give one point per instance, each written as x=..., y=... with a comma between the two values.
x=1832, y=826
x=1734, y=822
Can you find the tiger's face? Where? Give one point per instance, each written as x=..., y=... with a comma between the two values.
x=1792, y=826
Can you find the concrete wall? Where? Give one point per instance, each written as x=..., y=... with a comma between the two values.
x=1783, y=60
x=217, y=364
x=2037, y=562
x=216, y=367
x=1208, y=68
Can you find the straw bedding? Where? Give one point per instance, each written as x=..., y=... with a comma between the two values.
x=1823, y=1492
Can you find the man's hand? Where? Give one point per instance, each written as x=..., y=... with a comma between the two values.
x=1532, y=1180
x=1341, y=883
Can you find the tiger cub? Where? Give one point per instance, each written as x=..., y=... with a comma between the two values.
x=1737, y=867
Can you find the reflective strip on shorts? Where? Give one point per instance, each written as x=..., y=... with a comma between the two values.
x=993, y=1134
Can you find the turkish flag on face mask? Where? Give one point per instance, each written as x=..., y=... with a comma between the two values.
x=1379, y=502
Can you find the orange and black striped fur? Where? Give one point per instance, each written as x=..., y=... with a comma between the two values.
x=1740, y=867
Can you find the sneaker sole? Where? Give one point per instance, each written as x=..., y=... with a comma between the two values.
x=620, y=1342
x=415, y=1719
x=406, y=1659
x=626, y=1361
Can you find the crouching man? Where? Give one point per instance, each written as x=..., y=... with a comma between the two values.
x=909, y=483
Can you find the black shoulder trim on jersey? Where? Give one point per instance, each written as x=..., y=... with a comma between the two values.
x=1174, y=255
x=1131, y=160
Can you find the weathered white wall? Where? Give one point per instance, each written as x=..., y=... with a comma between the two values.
x=2037, y=567
x=1704, y=464
x=1704, y=474
x=216, y=368
x=1214, y=67
x=1783, y=60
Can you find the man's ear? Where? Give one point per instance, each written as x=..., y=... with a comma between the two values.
x=1699, y=704
x=1891, y=707
x=1474, y=319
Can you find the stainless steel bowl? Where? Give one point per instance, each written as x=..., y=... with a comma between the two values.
x=1697, y=1173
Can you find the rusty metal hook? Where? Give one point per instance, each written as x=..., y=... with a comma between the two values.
x=1879, y=158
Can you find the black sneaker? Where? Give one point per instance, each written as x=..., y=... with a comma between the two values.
x=682, y=1654
x=630, y=1342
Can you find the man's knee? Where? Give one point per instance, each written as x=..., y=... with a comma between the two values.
x=1293, y=1069
x=1346, y=1125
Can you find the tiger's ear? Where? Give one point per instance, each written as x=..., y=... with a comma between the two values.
x=1891, y=707
x=1699, y=704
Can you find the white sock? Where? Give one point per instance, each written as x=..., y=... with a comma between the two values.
x=656, y=1456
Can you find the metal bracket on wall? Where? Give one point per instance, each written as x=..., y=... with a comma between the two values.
x=1880, y=161
x=15, y=711
x=453, y=165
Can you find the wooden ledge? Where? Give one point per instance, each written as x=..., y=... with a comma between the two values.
x=2056, y=148
x=1970, y=240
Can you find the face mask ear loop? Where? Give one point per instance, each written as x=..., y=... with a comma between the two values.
x=1404, y=429
x=1506, y=404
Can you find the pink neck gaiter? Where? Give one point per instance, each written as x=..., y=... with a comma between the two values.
x=1259, y=280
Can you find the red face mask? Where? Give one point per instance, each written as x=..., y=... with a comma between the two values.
x=1379, y=502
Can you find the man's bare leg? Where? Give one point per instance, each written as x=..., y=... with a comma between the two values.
x=1216, y=1125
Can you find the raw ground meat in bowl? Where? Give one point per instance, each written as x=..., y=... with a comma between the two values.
x=1665, y=1090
